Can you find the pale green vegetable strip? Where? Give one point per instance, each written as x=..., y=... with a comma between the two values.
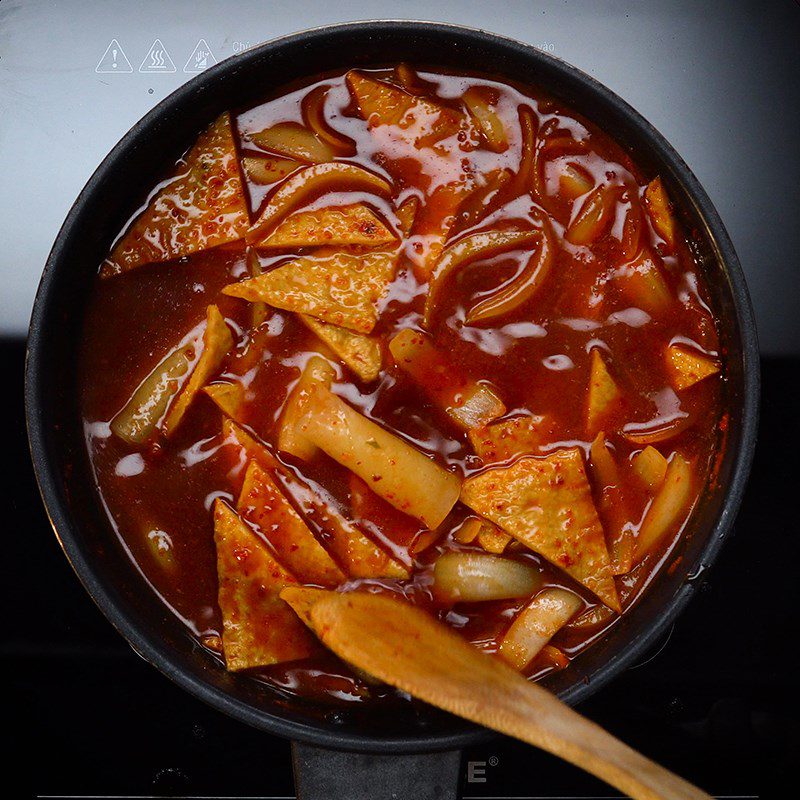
x=140, y=417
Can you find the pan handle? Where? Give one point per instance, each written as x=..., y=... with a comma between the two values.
x=322, y=774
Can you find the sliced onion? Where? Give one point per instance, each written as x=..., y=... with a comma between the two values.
x=522, y=287
x=522, y=181
x=612, y=507
x=406, y=214
x=307, y=183
x=469, y=249
x=159, y=543
x=259, y=311
x=468, y=531
x=475, y=577
x=630, y=243
x=265, y=170
x=595, y=216
x=670, y=504
x=406, y=77
x=469, y=403
x=536, y=625
x=592, y=618
x=574, y=182
x=481, y=199
x=293, y=140
x=551, y=145
x=658, y=430
x=313, y=110
x=488, y=119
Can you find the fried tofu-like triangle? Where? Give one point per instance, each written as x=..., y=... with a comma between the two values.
x=258, y=627
x=424, y=121
x=339, y=288
x=397, y=118
x=604, y=394
x=217, y=343
x=229, y=397
x=203, y=206
x=354, y=225
x=359, y=352
x=546, y=503
x=517, y=436
x=263, y=503
x=406, y=213
x=687, y=367
x=357, y=553
x=252, y=447
x=658, y=207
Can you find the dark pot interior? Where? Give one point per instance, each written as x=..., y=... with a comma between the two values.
x=116, y=190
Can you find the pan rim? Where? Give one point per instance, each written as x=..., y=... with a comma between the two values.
x=314, y=732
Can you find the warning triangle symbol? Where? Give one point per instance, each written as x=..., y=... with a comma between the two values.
x=157, y=59
x=114, y=60
x=201, y=58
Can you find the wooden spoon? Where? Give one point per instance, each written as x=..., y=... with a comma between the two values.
x=405, y=647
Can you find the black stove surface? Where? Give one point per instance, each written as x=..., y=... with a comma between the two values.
x=715, y=701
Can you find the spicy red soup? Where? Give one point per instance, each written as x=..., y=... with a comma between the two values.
x=409, y=332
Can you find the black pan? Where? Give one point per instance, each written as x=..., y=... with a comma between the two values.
x=115, y=191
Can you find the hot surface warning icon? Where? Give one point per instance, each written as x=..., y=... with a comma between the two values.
x=200, y=58
x=114, y=60
x=157, y=59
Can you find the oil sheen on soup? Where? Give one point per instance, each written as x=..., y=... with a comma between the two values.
x=409, y=332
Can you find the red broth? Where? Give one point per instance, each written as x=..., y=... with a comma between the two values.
x=159, y=494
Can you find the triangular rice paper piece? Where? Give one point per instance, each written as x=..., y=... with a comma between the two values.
x=339, y=288
x=546, y=503
x=359, y=352
x=517, y=436
x=335, y=225
x=229, y=397
x=264, y=504
x=423, y=121
x=356, y=552
x=258, y=627
x=603, y=396
x=251, y=447
x=203, y=206
x=217, y=343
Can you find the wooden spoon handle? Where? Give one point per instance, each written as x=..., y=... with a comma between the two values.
x=405, y=647
x=532, y=714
